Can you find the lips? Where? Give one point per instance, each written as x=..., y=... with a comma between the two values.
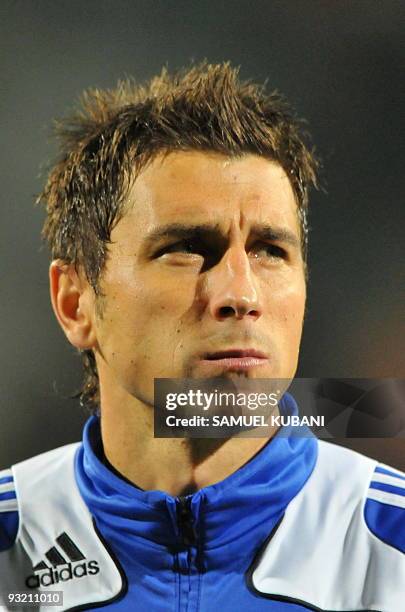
x=235, y=359
x=232, y=353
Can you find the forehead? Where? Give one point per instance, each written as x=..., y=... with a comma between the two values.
x=199, y=187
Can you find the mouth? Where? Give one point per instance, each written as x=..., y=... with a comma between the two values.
x=236, y=359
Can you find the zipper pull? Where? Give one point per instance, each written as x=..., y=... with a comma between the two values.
x=185, y=522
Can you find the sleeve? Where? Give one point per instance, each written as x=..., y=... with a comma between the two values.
x=8, y=510
x=385, y=506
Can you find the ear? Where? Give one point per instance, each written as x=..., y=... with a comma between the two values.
x=73, y=304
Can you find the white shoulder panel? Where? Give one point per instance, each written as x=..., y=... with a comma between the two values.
x=57, y=537
x=323, y=554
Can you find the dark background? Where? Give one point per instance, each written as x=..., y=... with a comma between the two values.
x=339, y=62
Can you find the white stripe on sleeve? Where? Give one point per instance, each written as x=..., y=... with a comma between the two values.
x=7, y=486
x=391, y=480
x=386, y=498
x=9, y=505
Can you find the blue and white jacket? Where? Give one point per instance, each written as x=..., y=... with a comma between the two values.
x=304, y=525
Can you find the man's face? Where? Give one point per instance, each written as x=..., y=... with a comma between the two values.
x=206, y=260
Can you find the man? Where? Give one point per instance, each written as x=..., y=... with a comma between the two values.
x=176, y=218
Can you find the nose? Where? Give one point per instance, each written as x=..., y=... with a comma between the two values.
x=232, y=289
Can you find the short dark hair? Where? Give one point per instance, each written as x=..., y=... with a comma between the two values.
x=116, y=132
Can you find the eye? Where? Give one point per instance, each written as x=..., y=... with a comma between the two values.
x=271, y=251
x=184, y=246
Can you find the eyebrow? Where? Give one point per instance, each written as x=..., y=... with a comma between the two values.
x=182, y=231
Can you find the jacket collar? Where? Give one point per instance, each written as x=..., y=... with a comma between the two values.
x=243, y=506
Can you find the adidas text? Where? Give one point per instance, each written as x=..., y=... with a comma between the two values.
x=70, y=572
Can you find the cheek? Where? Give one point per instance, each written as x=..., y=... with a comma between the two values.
x=140, y=321
x=288, y=311
x=287, y=320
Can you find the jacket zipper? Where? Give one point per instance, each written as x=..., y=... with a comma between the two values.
x=188, y=543
x=190, y=560
x=185, y=522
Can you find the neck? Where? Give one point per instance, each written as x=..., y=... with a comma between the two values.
x=178, y=466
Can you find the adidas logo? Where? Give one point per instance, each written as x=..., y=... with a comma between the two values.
x=75, y=566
